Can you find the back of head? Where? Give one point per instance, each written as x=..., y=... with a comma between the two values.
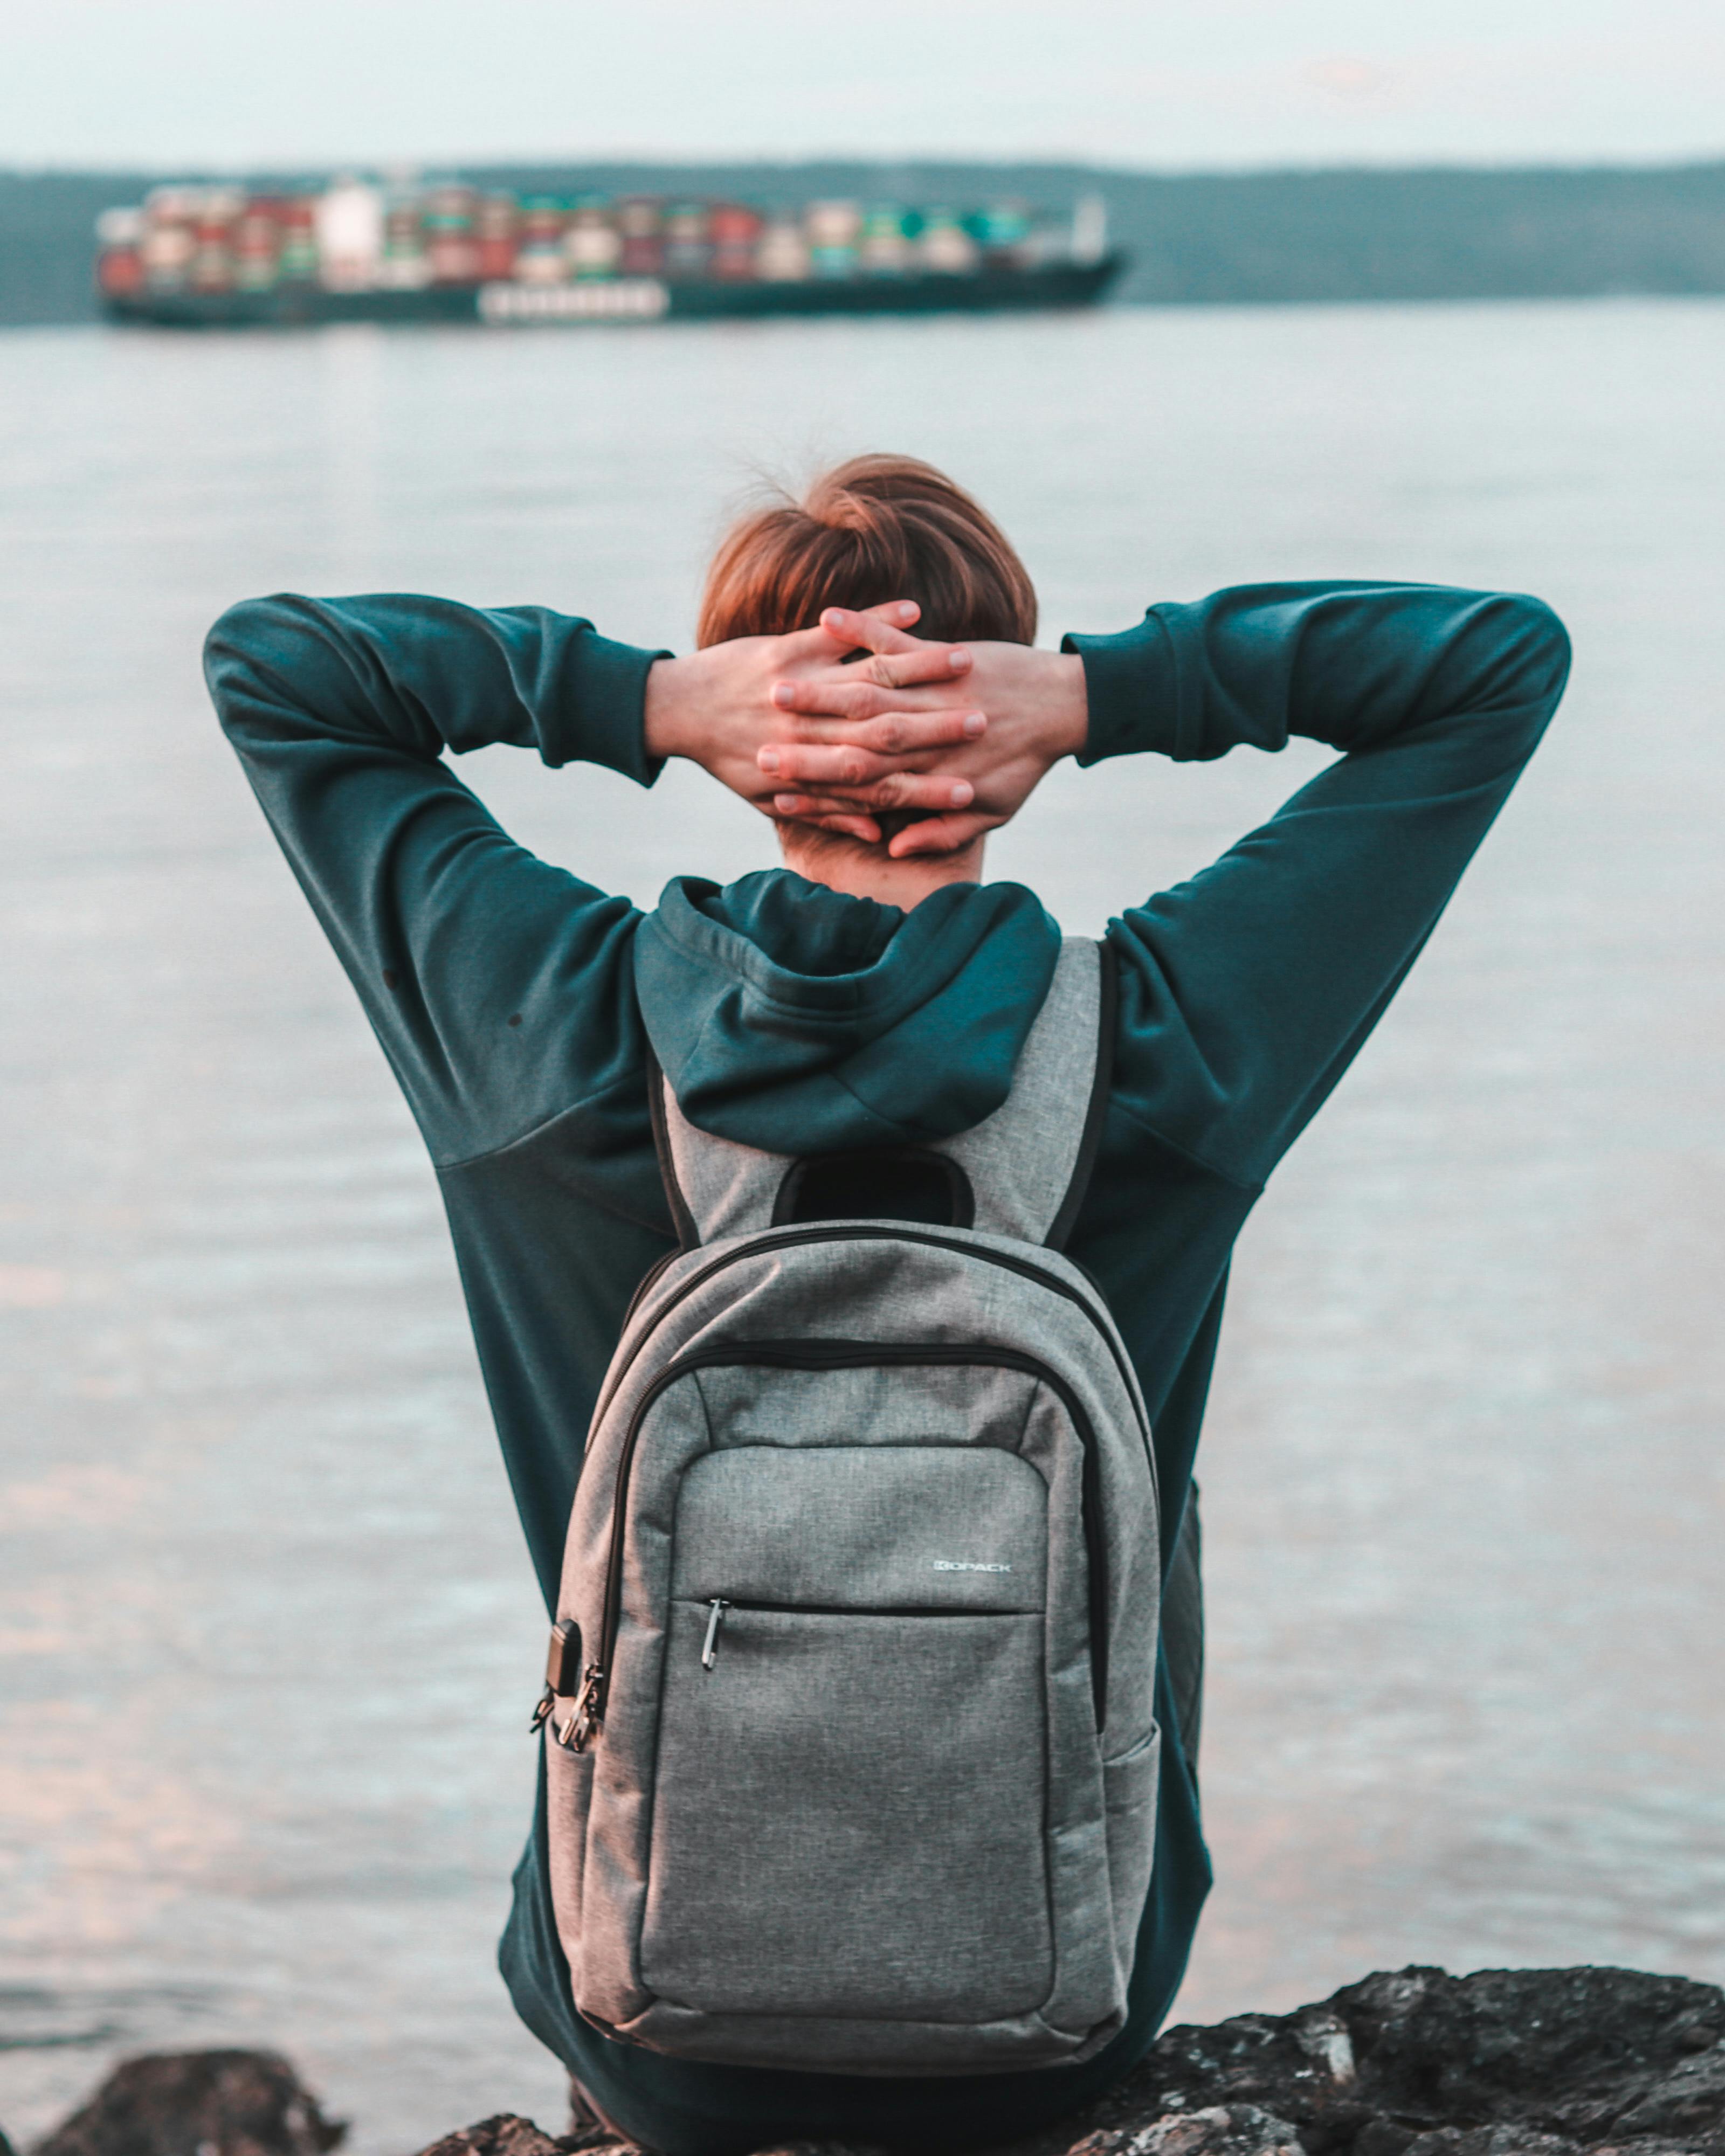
x=873, y=529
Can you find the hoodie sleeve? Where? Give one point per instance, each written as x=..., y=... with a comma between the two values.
x=1246, y=992
x=499, y=986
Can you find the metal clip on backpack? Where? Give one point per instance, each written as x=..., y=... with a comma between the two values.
x=853, y=1765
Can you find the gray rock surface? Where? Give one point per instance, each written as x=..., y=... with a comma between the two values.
x=1507, y=2062
x=1513, y=2063
x=1546, y=2062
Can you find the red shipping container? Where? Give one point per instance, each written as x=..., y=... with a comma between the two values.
x=120, y=272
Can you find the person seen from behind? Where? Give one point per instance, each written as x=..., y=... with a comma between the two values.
x=867, y=677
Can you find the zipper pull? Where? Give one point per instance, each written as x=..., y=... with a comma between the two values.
x=577, y=1732
x=709, y=1652
x=561, y=1665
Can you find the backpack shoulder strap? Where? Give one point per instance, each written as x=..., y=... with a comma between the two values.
x=661, y=1106
x=1029, y=1164
x=713, y=1186
x=1025, y=1168
x=1095, y=1111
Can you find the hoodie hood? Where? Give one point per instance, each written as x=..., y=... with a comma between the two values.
x=798, y=1019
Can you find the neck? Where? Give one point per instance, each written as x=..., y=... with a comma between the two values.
x=860, y=872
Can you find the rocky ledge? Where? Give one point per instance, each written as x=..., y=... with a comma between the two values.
x=1518, y=2062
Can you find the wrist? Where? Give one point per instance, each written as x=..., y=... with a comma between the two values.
x=1069, y=705
x=665, y=708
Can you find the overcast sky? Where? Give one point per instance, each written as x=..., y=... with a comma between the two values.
x=1147, y=83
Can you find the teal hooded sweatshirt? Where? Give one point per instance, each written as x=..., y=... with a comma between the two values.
x=514, y=1002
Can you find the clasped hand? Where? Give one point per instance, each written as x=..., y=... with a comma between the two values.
x=799, y=726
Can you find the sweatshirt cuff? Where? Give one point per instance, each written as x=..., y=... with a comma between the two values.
x=602, y=718
x=1132, y=685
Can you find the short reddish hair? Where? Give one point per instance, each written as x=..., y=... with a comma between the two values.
x=873, y=529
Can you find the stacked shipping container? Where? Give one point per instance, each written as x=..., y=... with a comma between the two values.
x=354, y=237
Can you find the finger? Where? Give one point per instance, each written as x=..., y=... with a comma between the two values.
x=853, y=827
x=897, y=732
x=853, y=755
x=883, y=628
x=841, y=765
x=927, y=662
x=848, y=694
x=899, y=789
x=896, y=660
x=852, y=698
x=812, y=646
x=940, y=835
x=891, y=618
x=840, y=816
x=877, y=628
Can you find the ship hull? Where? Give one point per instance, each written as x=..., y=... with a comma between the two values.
x=626, y=300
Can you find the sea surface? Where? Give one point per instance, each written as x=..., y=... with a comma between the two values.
x=268, y=1632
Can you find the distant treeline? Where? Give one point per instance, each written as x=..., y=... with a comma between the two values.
x=1199, y=238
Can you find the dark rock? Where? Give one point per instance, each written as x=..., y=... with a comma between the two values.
x=1508, y=2062
x=1381, y=2136
x=1513, y=2063
x=508, y=2134
x=788, y=2148
x=1238, y=2129
x=197, y=2103
x=1572, y=2051
x=1516, y=2062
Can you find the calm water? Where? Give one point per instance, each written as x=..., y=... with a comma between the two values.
x=269, y=1637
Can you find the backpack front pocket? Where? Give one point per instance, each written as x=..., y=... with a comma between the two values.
x=848, y=1813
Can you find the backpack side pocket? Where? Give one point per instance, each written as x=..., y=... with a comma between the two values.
x=1130, y=1786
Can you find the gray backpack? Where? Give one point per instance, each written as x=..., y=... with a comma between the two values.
x=852, y=1755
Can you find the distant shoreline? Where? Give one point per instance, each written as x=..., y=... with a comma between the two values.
x=1434, y=231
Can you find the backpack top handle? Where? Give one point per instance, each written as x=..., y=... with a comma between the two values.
x=1022, y=1172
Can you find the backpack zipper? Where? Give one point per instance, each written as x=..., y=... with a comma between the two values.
x=837, y=1355
x=644, y=1285
x=720, y=1607
x=790, y=1238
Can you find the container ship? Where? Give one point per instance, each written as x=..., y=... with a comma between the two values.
x=220, y=256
